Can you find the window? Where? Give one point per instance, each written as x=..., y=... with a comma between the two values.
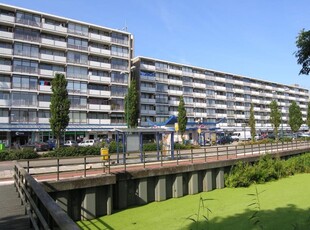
x=98, y=87
x=25, y=66
x=78, y=29
x=4, y=96
x=24, y=82
x=78, y=102
x=119, y=64
x=77, y=43
x=77, y=117
x=161, y=77
x=27, y=34
x=52, y=52
x=28, y=50
x=77, y=72
x=187, y=69
x=98, y=115
x=5, y=82
x=4, y=112
x=119, y=51
x=4, y=45
x=45, y=97
x=53, y=37
x=161, y=98
x=44, y=114
x=23, y=116
x=119, y=38
x=28, y=19
x=77, y=87
x=4, y=61
x=119, y=77
x=118, y=90
x=99, y=73
x=117, y=104
x=79, y=58
x=117, y=119
x=161, y=87
x=55, y=68
x=98, y=101
x=24, y=99
x=162, y=109
x=161, y=66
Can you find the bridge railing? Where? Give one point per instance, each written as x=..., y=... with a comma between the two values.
x=42, y=210
x=57, y=168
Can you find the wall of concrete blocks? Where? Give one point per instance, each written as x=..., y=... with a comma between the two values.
x=95, y=201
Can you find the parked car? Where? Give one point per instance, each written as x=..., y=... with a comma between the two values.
x=37, y=146
x=90, y=142
x=52, y=144
x=224, y=140
x=70, y=143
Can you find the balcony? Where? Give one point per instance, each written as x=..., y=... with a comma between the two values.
x=45, y=88
x=99, y=93
x=175, y=71
x=7, y=35
x=199, y=104
x=240, y=116
x=175, y=113
x=199, y=75
x=239, y=107
x=200, y=114
x=148, y=67
x=148, y=100
x=255, y=85
x=100, y=37
x=220, y=88
x=148, y=112
x=199, y=85
x=175, y=103
x=6, y=51
x=220, y=79
x=100, y=64
x=5, y=85
x=5, y=120
x=49, y=73
x=99, y=78
x=25, y=69
x=221, y=106
x=55, y=28
x=5, y=68
x=256, y=101
x=147, y=78
x=43, y=120
x=220, y=97
x=103, y=108
x=175, y=92
x=44, y=104
x=238, y=82
x=7, y=18
x=53, y=58
x=239, y=91
x=100, y=51
x=175, y=82
x=4, y=102
x=200, y=95
x=51, y=42
x=148, y=89
x=99, y=121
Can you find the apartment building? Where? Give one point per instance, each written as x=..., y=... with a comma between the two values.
x=95, y=60
x=211, y=95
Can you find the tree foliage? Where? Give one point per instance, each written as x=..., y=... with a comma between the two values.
x=295, y=117
x=60, y=105
x=182, y=118
x=132, y=106
x=275, y=117
x=303, y=53
x=252, y=122
x=308, y=115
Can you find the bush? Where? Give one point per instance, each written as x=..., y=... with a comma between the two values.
x=113, y=147
x=151, y=147
x=74, y=151
x=17, y=154
x=266, y=169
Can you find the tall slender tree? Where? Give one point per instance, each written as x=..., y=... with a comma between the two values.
x=294, y=117
x=252, y=122
x=182, y=118
x=303, y=53
x=308, y=115
x=132, y=105
x=60, y=105
x=275, y=117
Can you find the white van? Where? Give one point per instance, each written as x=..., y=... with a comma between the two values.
x=241, y=136
x=90, y=142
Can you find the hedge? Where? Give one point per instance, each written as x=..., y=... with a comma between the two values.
x=17, y=154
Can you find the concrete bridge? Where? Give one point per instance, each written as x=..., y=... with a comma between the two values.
x=98, y=194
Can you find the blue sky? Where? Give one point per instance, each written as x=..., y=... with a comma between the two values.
x=255, y=38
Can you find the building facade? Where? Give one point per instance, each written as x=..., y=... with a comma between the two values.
x=211, y=95
x=94, y=59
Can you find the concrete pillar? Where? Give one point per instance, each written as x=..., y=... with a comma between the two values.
x=142, y=191
x=89, y=204
x=160, y=189
x=177, y=186
x=109, y=199
x=122, y=194
x=193, y=183
x=220, y=178
x=207, y=181
x=62, y=200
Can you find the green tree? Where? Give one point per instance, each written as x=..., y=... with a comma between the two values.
x=60, y=105
x=308, y=115
x=182, y=118
x=294, y=117
x=303, y=53
x=275, y=117
x=252, y=122
x=132, y=106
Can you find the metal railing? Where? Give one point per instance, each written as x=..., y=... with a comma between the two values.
x=42, y=210
x=58, y=168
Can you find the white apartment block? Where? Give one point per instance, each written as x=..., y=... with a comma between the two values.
x=95, y=60
x=211, y=95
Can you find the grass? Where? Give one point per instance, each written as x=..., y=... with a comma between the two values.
x=284, y=204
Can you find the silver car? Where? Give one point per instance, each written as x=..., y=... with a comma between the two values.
x=70, y=143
